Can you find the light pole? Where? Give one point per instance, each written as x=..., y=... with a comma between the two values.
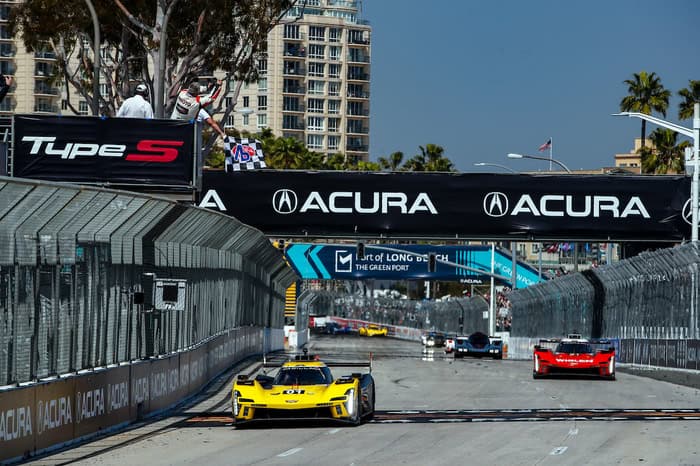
x=485, y=164
x=535, y=157
x=695, y=135
x=550, y=160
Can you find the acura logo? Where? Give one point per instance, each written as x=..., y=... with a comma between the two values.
x=688, y=212
x=284, y=201
x=496, y=204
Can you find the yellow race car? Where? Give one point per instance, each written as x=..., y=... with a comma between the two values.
x=304, y=388
x=373, y=330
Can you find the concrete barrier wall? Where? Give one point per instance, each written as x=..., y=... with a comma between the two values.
x=42, y=416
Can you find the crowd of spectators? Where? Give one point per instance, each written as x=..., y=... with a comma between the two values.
x=504, y=315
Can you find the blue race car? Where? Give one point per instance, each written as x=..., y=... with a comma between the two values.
x=334, y=328
x=478, y=344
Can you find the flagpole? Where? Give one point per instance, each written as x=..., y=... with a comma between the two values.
x=551, y=145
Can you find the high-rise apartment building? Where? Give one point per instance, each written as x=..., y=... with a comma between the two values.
x=31, y=91
x=314, y=83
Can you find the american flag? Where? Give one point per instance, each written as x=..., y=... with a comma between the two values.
x=546, y=145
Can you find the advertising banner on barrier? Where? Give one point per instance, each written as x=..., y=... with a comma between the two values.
x=164, y=382
x=140, y=395
x=114, y=151
x=198, y=369
x=455, y=205
x=55, y=412
x=404, y=261
x=101, y=400
x=17, y=422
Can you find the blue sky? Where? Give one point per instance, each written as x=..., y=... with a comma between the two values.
x=485, y=78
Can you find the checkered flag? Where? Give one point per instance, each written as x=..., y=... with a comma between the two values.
x=243, y=154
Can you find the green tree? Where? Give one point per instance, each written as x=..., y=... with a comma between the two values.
x=431, y=159
x=690, y=95
x=665, y=155
x=646, y=94
x=391, y=163
x=285, y=153
x=336, y=162
x=179, y=39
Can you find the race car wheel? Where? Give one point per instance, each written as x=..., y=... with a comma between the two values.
x=536, y=375
x=457, y=355
x=370, y=414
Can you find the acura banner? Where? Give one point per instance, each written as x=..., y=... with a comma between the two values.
x=115, y=151
x=461, y=205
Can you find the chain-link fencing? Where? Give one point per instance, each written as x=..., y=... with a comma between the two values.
x=652, y=295
x=463, y=315
x=78, y=268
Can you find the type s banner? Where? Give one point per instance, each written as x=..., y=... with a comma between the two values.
x=115, y=151
x=460, y=205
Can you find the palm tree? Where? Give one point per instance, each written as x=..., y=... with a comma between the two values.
x=336, y=162
x=691, y=96
x=430, y=159
x=646, y=94
x=286, y=153
x=392, y=163
x=664, y=155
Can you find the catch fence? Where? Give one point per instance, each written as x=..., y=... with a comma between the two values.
x=79, y=268
x=452, y=316
x=652, y=295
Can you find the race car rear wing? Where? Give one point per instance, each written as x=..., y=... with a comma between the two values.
x=315, y=357
x=597, y=342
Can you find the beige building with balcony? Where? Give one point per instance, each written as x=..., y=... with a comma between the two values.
x=632, y=161
x=31, y=91
x=314, y=84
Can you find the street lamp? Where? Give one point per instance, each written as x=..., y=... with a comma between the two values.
x=535, y=157
x=550, y=160
x=695, y=135
x=485, y=164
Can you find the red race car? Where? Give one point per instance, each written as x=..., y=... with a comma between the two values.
x=574, y=355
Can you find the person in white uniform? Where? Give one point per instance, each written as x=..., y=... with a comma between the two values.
x=136, y=106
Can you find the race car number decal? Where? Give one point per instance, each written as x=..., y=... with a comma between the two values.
x=293, y=391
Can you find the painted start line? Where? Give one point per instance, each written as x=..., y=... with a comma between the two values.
x=496, y=415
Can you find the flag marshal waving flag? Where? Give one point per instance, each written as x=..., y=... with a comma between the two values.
x=546, y=145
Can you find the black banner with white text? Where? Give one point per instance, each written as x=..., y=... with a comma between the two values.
x=114, y=151
x=460, y=206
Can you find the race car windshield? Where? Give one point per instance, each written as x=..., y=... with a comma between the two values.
x=574, y=348
x=303, y=376
x=478, y=339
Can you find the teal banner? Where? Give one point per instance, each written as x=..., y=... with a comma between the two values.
x=466, y=264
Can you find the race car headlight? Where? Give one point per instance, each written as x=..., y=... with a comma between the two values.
x=537, y=363
x=611, y=365
x=235, y=407
x=350, y=401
